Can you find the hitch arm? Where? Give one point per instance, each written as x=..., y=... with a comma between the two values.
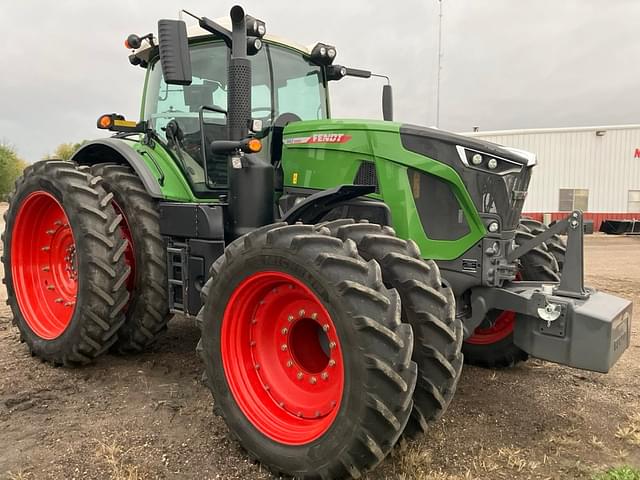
x=572, y=275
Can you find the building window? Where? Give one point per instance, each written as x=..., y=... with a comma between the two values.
x=574, y=199
x=634, y=201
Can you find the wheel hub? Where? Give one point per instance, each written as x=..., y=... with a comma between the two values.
x=282, y=357
x=301, y=380
x=44, y=266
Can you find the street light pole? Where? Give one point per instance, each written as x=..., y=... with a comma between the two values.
x=439, y=64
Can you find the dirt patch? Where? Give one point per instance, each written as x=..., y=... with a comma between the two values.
x=148, y=416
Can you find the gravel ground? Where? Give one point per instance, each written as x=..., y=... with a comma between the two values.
x=148, y=416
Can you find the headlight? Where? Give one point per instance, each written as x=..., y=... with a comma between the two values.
x=485, y=162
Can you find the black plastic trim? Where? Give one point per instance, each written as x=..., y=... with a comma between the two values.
x=192, y=220
x=314, y=207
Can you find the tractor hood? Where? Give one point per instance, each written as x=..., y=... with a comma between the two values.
x=321, y=154
x=359, y=135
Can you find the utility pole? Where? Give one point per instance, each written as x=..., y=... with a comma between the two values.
x=439, y=64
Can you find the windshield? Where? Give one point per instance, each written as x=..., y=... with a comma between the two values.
x=282, y=82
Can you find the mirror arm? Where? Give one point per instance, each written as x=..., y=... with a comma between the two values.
x=213, y=27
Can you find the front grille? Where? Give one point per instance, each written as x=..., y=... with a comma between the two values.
x=366, y=175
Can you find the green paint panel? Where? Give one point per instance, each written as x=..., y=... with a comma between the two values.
x=160, y=162
x=325, y=153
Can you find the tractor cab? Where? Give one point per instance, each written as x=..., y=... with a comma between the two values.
x=286, y=85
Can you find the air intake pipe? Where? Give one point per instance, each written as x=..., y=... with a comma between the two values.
x=251, y=179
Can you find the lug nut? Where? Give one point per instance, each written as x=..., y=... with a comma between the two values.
x=332, y=363
x=283, y=347
x=324, y=375
x=50, y=287
x=300, y=375
x=301, y=313
x=332, y=345
x=290, y=318
x=313, y=380
x=284, y=331
x=58, y=300
x=289, y=363
x=314, y=316
x=57, y=223
x=325, y=327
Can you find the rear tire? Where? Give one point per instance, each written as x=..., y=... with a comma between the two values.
x=64, y=263
x=491, y=345
x=371, y=352
x=427, y=305
x=147, y=313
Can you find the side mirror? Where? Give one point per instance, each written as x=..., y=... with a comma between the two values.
x=387, y=103
x=174, y=52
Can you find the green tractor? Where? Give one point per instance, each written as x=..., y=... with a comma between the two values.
x=340, y=270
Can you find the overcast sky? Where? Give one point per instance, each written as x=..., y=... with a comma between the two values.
x=506, y=64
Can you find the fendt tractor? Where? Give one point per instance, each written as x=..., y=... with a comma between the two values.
x=339, y=270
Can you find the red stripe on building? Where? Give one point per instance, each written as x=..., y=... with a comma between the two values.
x=596, y=217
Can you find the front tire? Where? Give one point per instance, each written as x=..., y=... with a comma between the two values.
x=331, y=400
x=555, y=245
x=427, y=305
x=491, y=345
x=64, y=263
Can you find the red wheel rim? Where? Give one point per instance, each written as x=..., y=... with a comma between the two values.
x=129, y=256
x=501, y=328
x=282, y=358
x=43, y=265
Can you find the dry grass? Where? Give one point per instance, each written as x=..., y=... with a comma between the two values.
x=19, y=475
x=115, y=458
x=630, y=432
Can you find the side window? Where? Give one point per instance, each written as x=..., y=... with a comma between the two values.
x=440, y=212
x=298, y=85
x=208, y=87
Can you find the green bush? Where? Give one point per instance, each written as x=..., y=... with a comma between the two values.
x=11, y=167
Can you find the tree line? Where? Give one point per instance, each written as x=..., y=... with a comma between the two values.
x=11, y=165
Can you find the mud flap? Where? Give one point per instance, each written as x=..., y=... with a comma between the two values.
x=590, y=333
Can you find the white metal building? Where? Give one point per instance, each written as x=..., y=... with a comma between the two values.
x=594, y=169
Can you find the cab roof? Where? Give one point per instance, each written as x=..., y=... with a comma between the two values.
x=194, y=31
